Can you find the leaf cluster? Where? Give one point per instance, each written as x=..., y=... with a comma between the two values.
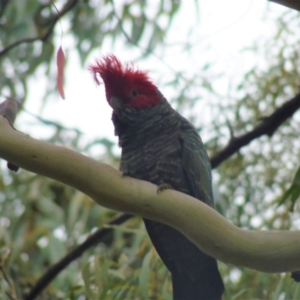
x=42, y=220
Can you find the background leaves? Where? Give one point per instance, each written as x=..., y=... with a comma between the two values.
x=42, y=220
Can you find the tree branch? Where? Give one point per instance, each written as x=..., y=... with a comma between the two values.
x=274, y=251
x=267, y=127
x=288, y=3
x=68, y=6
x=54, y=270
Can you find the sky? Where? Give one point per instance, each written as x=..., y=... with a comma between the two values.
x=220, y=35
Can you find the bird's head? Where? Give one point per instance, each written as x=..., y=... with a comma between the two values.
x=125, y=86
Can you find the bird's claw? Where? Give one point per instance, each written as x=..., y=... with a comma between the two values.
x=128, y=173
x=163, y=186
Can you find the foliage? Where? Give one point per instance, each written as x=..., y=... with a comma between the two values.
x=28, y=31
x=42, y=220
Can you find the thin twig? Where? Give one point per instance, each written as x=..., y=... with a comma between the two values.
x=12, y=295
x=52, y=123
x=68, y=6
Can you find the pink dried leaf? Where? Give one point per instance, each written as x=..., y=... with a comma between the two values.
x=60, y=60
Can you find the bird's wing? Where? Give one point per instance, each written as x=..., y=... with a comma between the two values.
x=195, y=274
x=196, y=164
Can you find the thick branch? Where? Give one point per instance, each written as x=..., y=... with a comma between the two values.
x=95, y=238
x=267, y=127
x=289, y=3
x=276, y=251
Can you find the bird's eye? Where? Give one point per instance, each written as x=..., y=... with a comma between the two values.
x=133, y=93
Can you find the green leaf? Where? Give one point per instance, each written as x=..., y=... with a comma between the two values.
x=86, y=275
x=293, y=192
x=145, y=275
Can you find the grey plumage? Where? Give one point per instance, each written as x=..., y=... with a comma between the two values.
x=160, y=146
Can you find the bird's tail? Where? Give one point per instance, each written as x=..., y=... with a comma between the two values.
x=209, y=288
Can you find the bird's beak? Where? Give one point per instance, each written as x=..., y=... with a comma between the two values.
x=115, y=103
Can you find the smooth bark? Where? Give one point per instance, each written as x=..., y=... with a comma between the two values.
x=268, y=251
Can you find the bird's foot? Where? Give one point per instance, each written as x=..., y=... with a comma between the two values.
x=296, y=276
x=128, y=173
x=164, y=186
